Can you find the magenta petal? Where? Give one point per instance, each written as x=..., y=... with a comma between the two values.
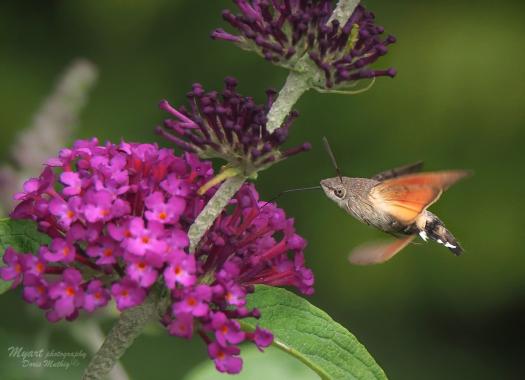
x=177, y=204
x=73, y=182
x=73, y=276
x=182, y=326
x=142, y=273
x=231, y=365
x=179, y=239
x=127, y=294
x=154, y=200
x=200, y=310
x=64, y=307
x=224, y=358
x=96, y=296
x=262, y=338
x=15, y=267
x=136, y=226
x=31, y=185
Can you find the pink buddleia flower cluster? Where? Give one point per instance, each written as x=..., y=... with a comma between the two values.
x=113, y=214
x=241, y=250
x=118, y=215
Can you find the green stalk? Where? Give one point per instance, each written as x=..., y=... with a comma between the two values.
x=121, y=337
x=212, y=209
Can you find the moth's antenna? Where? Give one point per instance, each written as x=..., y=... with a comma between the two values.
x=332, y=157
x=291, y=191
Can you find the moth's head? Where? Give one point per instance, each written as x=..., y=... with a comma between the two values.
x=336, y=188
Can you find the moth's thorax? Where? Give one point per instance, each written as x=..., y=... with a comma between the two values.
x=357, y=201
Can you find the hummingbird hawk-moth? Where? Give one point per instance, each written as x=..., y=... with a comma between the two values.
x=396, y=202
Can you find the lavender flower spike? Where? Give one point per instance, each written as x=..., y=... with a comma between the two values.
x=52, y=127
x=228, y=126
x=284, y=31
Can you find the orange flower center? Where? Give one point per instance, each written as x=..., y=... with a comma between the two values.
x=108, y=252
x=192, y=301
x=70, y=291
x=40, y=267
x=163, y=215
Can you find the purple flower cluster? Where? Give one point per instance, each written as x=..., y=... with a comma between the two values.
x=228, y=126
x=283, y=31
x=114, y=215
x=117, y=217
x=242, y=246
x=241, y=250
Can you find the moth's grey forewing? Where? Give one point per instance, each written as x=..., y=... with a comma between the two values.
x=399, y=171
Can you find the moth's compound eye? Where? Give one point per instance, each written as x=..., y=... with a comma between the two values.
x=339, y=192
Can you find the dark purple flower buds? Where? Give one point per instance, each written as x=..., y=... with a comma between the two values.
x=284, y=31
x=228, y=126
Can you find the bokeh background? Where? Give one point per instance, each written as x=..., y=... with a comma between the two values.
x=457, y=102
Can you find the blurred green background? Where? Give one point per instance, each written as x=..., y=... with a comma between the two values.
x=457, y=102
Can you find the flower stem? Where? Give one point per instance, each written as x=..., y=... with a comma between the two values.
x=89, y=333
x=296, y=84
x=128, y=327
x=344, y=10
x=212, y=209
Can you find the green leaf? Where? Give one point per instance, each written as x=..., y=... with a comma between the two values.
x=23, y=236
x=309, y=334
